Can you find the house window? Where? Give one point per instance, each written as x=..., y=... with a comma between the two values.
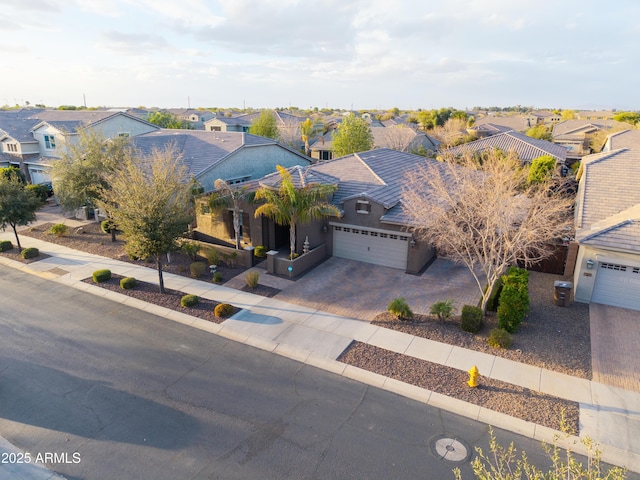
x=215, y=129
x=363, y=207
x=50, y=142
x=613, y=266
x=123, y=134
x=355, y=230
x=326, y=155
x=374, y=234
x=12, y=147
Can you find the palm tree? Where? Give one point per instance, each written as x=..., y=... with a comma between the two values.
x=225, y=197
x=308, y=130
x=293, y=206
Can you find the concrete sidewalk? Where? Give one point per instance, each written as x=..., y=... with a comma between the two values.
x=609, y=415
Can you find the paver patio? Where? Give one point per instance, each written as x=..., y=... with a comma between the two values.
x=361, y=290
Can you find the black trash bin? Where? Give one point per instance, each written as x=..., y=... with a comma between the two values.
x=562, y=293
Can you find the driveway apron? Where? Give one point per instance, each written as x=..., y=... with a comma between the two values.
x=361, y=290
x=615, y=355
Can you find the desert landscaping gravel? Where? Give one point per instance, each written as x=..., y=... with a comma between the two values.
x=552, y=337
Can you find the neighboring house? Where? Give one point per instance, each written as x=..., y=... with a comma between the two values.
x=545, y=118
x=574, y=134
x=196, y=118
x=626, y=139
x=372, y=228
x=513, y=122
x=607, y=225
x=594, y=115
x=43, y=136
x=401, y=138
x=404, y=139
x=525, y=147
x=227, y=124
x=232, y=156
x=17, y=144
x=487, y=129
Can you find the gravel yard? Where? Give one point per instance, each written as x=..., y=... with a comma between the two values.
x=551, y=337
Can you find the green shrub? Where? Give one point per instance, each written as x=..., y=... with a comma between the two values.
x=260, y=251
x=5, y=245
x=213, y=257
x=31, y=252
x=191, y=249
x=59, y=230
x=471, y=319
x=252, y=278
x=499, y=338
x=217, y=277
x=189, y=300
x=107, y=226
x=127, y=282
x=399, y=308
x=100, y=276
x=442, y=310
x=40, y=191
x=196, y=269
x=514, y=299
x=223, y=310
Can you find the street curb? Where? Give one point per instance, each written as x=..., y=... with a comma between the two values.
x=547, y=435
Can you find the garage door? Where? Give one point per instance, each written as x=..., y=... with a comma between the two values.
x=617, y=285
x=38, y=175
x=379, y=247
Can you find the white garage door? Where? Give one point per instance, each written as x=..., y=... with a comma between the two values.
x=388, y=249
x=38, y=175
x=617, y=285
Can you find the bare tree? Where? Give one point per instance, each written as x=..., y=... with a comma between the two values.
x=485, y=216
x=399, y=138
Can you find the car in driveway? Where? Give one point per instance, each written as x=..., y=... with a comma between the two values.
x=49, y=187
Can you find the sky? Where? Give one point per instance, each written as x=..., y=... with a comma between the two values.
x=346, y=54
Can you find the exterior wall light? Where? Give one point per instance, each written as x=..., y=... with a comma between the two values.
x=412, y=243
x=325, y=228
x=590, y=264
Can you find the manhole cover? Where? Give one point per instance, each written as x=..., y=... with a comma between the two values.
x=450, y=449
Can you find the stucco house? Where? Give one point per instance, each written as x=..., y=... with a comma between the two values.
x=372, y=227
x=607, y=225
x=574, y=134
x=402, y=138
x=233, y=156
x=37, y=140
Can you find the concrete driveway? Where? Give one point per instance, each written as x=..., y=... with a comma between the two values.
x=361, y=290
x=615, y=356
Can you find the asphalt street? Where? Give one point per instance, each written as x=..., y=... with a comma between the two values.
x=116, y=392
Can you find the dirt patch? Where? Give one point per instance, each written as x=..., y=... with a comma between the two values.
x=262, y=290
x=148, y=292
x=498, y=396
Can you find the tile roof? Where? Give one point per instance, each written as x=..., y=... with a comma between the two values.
x=626, y=139
x=489, y=128
x=377, y=175
x=301, y=177
x=525, y=147
x=517, y=123
x=200, y=149
x=608, y=212
x=580, y=127
x=17, y=127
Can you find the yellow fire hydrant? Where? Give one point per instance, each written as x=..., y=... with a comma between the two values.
x=474, y=374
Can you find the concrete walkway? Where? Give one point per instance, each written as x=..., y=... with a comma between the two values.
x=609, y=415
